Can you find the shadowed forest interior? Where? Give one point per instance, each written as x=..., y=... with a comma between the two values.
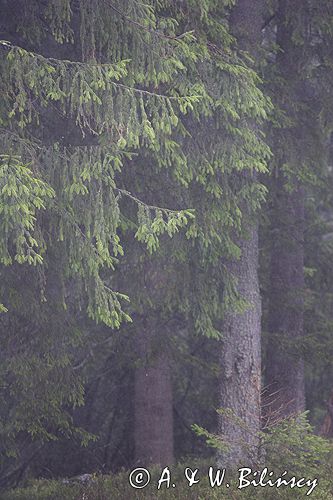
x=166, y=244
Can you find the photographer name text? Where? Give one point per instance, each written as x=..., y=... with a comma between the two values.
x=217, y=478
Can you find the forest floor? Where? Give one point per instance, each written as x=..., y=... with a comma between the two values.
x=117, y=486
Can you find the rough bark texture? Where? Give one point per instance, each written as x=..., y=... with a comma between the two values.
x=153, y=401
x=241, y=367
x=240, y=361
x=284, y=393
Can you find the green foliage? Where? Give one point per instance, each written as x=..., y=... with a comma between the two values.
x=124, y=107
x=289, y=445
x=22, y=194
x=38, y=382
x=150, y=228
x=293, y=446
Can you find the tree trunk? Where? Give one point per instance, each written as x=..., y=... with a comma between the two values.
x=284, y=365
x=153, y=399
x=326, y=429
x=241, y=357
x=284, y=393
x=241, y=367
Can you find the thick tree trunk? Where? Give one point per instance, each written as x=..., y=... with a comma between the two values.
x=153, y=399
x=241, y=366
x=284, y=393
x=241, y=357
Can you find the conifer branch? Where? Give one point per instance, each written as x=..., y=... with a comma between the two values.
x=140, y=202
x=9, y=46
x=145, y=28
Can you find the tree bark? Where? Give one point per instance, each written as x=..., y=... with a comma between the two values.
x=153, y=399
x=326, y=429
x=284, y=393
x=241, y=357
x=241, y=365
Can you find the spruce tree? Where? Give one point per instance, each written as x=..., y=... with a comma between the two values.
x=241, y=355
x=68, y=125
x=284, y=371
x=298, y=142
x=91, y=93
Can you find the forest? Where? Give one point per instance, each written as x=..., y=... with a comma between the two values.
x=166, y=249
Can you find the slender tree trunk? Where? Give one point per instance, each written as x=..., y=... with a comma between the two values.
x=284, y=394
x=241, y=356
x=153, y=399
x=326, y=429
